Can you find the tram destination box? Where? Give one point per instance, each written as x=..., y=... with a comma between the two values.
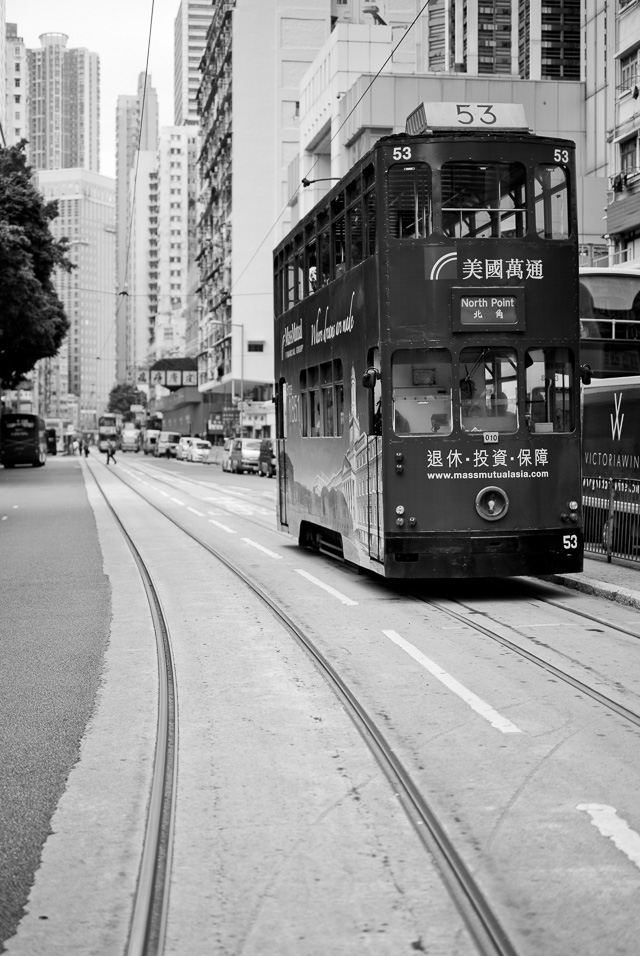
x=491, y=309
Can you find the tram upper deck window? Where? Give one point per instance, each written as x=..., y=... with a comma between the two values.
x=550, y=390
x=409, y=189
x=485, y=200
x=488, y=390
x=552, y=202
x=421, y=383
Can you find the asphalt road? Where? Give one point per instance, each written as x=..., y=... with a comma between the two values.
x=53, y=634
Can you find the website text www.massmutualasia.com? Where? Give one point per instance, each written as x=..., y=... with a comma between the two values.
x=444, y=475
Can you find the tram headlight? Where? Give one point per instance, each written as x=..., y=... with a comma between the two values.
x=571, y=514
x=400, y=510
x=400, y=522
x=492, y=503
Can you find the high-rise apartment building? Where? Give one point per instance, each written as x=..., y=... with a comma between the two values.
x=136, y=134
x=64, y=102
x=162, y=221
x=190, y=38
x=3, y=72
x=86, y=204
x=177, y=227
x=248, y=132
x=16, y=122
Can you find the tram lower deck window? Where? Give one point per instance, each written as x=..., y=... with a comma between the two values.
x=550, y=405
x=421, y=383
x=322, y=400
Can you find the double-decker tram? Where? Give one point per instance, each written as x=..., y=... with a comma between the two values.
x=23, y=440
x=427, y=366
x=108, y=430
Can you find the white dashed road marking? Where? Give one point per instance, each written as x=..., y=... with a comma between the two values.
x=610, y=825
x=476, y=703
x=326, y=587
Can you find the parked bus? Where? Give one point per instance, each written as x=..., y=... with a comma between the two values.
x=427, y=370
x=610, y=344
x=108, y=430
x=23, y=440
x=610, y=320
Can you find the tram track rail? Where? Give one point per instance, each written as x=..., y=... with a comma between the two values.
x=151, y=902
x=490, y=937
x=533, y=658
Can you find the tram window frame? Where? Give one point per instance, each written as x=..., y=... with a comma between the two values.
x=421, y=377
x=290, y=278
x=371, y=220
x=278, y=291
x=488, y=398
x=323, y=238
x=355, y=234
x=461, y=181
x=405, y=219
x=325, y=247
x=322, y=400
x=338, y=237
x=555, y=400
x=310, y=260
x=548, y=225
x=354, y=221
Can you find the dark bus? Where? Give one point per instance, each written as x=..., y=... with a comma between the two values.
x=23, y=440
x=427, y=343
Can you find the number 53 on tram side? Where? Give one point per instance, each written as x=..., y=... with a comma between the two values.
x=426, y=340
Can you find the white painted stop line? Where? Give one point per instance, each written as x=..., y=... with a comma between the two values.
x=476, y=703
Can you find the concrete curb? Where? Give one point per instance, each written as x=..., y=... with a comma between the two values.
x=609, y=592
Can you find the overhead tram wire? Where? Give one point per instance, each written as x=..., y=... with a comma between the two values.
x=123, y=294
x=349, y=114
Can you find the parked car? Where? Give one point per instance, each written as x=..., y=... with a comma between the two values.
x=198, y=449
x=149, y=440
x=267, y=458
x=182, y=447
x=226, y=451
x=166, y=444
x=244, y=455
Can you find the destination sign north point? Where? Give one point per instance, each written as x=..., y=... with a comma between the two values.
x=490, y=308
x=477, y=308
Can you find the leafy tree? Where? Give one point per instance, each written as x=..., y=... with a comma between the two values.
x=121, y=397
x=33, y=322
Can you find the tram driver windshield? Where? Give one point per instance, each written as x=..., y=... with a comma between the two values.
x=488, y=390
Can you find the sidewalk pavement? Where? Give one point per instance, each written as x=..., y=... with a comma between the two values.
x=616, y=581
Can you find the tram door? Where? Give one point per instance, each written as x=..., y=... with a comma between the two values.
x=374, y=494
x=374, y=463
x=282, y=409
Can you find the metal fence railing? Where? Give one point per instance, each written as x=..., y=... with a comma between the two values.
x=611, y=511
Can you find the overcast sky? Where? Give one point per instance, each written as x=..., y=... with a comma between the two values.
x=118, y=31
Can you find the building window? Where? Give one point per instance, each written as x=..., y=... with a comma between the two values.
x=628, y=150
x=255, y=346
x=629, y=71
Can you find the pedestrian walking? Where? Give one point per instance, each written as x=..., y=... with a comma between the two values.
x=76, y=446
x=85, y=448
x=111, y=452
